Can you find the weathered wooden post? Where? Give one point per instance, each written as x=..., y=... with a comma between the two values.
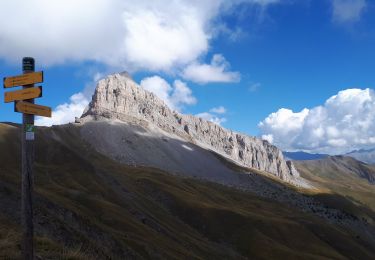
x=24, y=103
x=28, y=66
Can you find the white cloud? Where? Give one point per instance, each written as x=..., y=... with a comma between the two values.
x=182, y=94
x=152, y=35
x=218, y=110
x=216, y=71
x=215, y=115
x=66, y=112
x=57, y=31
x=268, y=138
x=175, y=96
x=159, y=86
x=158, y=39
x=345, y=122
x=212, y=118
x=348, y=10
x=284, y=122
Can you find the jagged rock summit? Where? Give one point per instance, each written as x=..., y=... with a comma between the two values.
x=119, y=97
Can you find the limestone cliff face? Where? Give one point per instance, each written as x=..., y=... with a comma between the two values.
x=119, y=97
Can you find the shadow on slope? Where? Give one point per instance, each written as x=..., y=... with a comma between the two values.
x=88, y=206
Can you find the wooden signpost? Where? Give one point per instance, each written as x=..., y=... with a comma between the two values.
x=23, y=94
x=24, y=79
x=24, y=103
x=32, y=109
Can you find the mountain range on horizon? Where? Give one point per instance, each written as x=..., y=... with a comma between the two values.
x=301, y=156
x=364, y=155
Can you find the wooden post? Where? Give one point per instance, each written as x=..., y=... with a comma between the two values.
x=28, y=65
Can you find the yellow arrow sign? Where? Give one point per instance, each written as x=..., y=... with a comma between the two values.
x=27, y=93
x=28, y=108
x=24, y=79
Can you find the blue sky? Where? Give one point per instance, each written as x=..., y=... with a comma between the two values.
x=237, y=63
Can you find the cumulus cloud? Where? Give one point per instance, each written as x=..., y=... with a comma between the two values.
x=152, y=35
x=159, y=39
x=212, y=118
x=348, y=10
x=216, y=71
x=284, y=123
x=218, y=110
x=182, y=94
x=159, y=86
x=215, y=115
x=345, y=122
x=57, y=31
x=66, y=112
x=175, y=96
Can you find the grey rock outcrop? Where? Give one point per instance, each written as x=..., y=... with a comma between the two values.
x=119, y=97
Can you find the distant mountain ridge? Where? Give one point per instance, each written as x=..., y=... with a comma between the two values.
x=364, y=155
x=341, y=167
x=302, y=156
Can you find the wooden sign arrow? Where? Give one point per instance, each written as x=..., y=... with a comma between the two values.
x=32, y=109
x=27, y=93
x=24, y=79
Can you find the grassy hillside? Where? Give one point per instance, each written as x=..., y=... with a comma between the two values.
x=344, y=176
x=90, y=207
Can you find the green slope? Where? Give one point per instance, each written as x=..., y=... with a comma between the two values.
x=90, y=207
x=344, y=176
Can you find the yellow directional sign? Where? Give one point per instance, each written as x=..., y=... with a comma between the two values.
x=29, y=108
x=24, y=79
x=27, y=93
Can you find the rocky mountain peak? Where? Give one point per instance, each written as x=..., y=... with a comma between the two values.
x=119, y=97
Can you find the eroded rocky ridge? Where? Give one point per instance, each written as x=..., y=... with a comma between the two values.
x=119, y=97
